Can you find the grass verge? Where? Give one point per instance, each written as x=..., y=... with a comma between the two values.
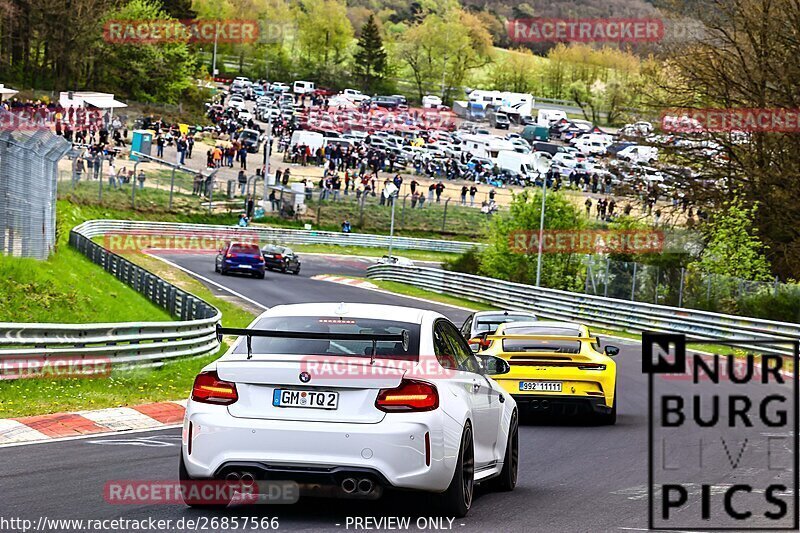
x=173, y=380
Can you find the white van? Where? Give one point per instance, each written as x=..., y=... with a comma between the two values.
x=523, y=164
x=589, y=145
x=312, y=139
x=547, y=117
x=638, y=154
x=303, y=87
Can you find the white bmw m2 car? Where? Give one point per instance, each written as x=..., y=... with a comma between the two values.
x=350, y=400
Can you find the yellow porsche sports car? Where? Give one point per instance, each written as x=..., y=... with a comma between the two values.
x=556, y=368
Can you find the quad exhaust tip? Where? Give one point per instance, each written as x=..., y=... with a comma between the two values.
x=349, y=485
x=365, y=486
x=247, y=479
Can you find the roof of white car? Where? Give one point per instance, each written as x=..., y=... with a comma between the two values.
x=359, y=310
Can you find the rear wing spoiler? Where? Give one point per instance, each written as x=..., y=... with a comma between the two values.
x=540, y=338
x=312, y=335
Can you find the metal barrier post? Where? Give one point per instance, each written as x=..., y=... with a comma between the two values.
x=171, y=187
x=680, y=288
x=133, y=186
x=444, y=214
x=100, y=179
x=633, y=283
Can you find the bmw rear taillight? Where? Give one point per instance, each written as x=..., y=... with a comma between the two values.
x=410, y=395
x=231, y=255
x=208, y=388
x=278, y=256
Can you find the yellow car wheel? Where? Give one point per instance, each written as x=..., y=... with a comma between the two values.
x=610, y=418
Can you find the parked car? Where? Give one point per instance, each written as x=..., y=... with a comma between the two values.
x=251, y=139
x=244, y=258
x=281, y=258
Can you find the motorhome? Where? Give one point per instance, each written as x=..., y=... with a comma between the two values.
x=548, y=117
x=514, y=105
x=485, y=145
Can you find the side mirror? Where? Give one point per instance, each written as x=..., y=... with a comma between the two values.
x=494, y=366
x=611, y=351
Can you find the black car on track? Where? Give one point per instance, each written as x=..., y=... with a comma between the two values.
x=281, y=258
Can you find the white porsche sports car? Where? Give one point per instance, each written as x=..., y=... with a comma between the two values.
x=349, y=400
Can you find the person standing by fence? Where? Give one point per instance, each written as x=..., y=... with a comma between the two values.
x=112, y=176
x=77, y=168
x=242, y=179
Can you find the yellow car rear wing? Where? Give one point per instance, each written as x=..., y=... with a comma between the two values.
x=540, y=338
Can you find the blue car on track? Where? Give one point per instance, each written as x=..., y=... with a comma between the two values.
x=240, y=257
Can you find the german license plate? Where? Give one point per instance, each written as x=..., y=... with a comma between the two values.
x=305, y=399
x=540, y=386
x=246, y=266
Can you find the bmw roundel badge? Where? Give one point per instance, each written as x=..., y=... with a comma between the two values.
x=305, y=377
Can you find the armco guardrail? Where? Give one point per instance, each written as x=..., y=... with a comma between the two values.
x=96, y=228
x=593, y=310
x=123, y=343
x=193, y=333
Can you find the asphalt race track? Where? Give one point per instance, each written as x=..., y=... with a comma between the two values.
x=573, y=476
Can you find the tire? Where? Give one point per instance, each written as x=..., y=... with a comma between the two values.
x=283, y=269
x=216, y=268
x=185, y=482
x=457, y=499
x=610, y=418
x=508, y=476
x=222, y=272
x=260, y=275
x=296, y=271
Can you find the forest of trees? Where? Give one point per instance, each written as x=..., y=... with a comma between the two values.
x=745, y=56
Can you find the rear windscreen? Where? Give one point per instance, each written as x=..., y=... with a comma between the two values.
x=542, y=345
x=355, y=348
x=245, y=249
